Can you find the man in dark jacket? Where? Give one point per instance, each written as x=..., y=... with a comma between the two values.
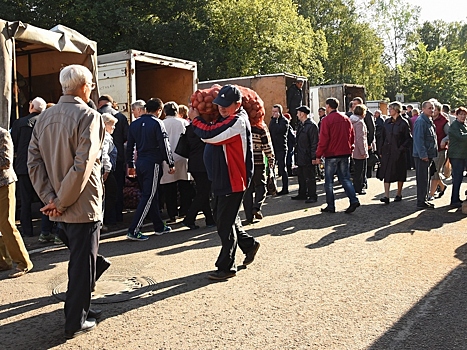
x=229, y=162
x=305, y=155
x=149, y=136
x=21, y=135
x=294, y=100
x=336, y=142
x=279, y=129
x=119, y=136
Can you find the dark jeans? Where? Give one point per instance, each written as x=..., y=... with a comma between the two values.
x=281, y=165
x=201, y=200
x=258, y=187
x=27, y=193
x=422, y=174
x=307, y=181
x=149, y=175
x=341, y=166
x=119, y=173
x=458, y=166
x=110, y=200
x=359, y=169
x=171, y=191
x=230, y=230
x=83, y=242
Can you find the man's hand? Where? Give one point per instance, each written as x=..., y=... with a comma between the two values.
x=316, y=161
x=424, y=159
x=192, y=113
x=131, y=172
x=50, y=209
x=172, y=170
x=105, y=176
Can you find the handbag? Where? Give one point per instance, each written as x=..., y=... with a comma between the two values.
x=183, y=147
x=373, y=159
x=271, y=183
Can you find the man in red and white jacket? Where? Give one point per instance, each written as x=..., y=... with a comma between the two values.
x=336, y=142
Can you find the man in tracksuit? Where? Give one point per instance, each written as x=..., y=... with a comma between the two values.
x=149, y=136
x=228, y=157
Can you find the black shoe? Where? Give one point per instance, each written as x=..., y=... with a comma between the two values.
x=362, y=192
x=352, y=207
x=298, y=198
x=397, y=198
x=281, y=193
x=425, y=205
x=190, y=226
x=456, y=205
x=102, y=264
x=250, y=256
x=221, y=275
x=95, y=313
x=385, y=200
x=311, y=200
x=328, y=210
x=257, y=214
x=441, y=193
x=87, y=326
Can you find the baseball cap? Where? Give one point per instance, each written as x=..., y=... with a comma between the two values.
x=39, y=104
x=228, y=94
x=304, y=109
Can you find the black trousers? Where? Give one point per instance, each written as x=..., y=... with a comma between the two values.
x=201, y=200
x=27, y=193
x=110, y=200
x=307, y=181
x=171, y=191
x=119, y=173
x=281, y=160
x=83, y=242
x=359, y=169
x=422, y=174
x=230, y=230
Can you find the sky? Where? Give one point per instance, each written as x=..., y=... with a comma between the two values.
x=447, y=10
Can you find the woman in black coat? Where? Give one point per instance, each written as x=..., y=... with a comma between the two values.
x=396, y=141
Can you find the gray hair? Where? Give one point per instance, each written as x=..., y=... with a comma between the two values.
x=73, y=77
x=109, y=118
x=138, y=104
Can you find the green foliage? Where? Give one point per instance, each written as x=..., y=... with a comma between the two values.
x=439, y=73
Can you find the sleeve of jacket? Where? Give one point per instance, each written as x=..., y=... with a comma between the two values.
x=266, y=145
x=106, y=164
x=37, y=171
x=15, y=134
x=407, y=137
x=130, y=149
x=313, y=136
x=164, y=145
x=323, y=141
x=370, y=126
x=359, y=143
x=6, y=150
x=91, y=131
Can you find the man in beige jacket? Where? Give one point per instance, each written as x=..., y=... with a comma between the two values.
x=65, y=171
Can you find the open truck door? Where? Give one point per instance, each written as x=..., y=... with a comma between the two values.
x=30, y=62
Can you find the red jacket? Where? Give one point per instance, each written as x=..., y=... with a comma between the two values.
x=336, y=136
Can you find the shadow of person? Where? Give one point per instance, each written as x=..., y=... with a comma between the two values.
x=437, y=321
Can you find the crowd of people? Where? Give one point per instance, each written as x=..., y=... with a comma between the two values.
x=75, y=157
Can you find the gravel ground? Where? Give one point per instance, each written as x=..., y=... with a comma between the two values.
x=384, y=277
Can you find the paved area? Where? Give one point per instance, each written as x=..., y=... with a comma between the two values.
x=384, y=277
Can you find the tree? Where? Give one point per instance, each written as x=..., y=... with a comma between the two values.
x=354, y=48
x=439, y=73
x=263, y=36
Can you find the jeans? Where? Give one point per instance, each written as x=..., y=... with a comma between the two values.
x=341, y=166
x=458, y=165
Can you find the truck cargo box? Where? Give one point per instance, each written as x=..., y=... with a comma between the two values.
x=131, y=75
x=343, y=92
x=30, y=62
x=272, y=88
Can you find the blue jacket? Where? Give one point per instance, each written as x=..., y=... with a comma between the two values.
x=228, y=155
x=424, y=138
x=152, y=142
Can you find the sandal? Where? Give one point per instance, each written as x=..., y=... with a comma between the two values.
x=18, y=273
